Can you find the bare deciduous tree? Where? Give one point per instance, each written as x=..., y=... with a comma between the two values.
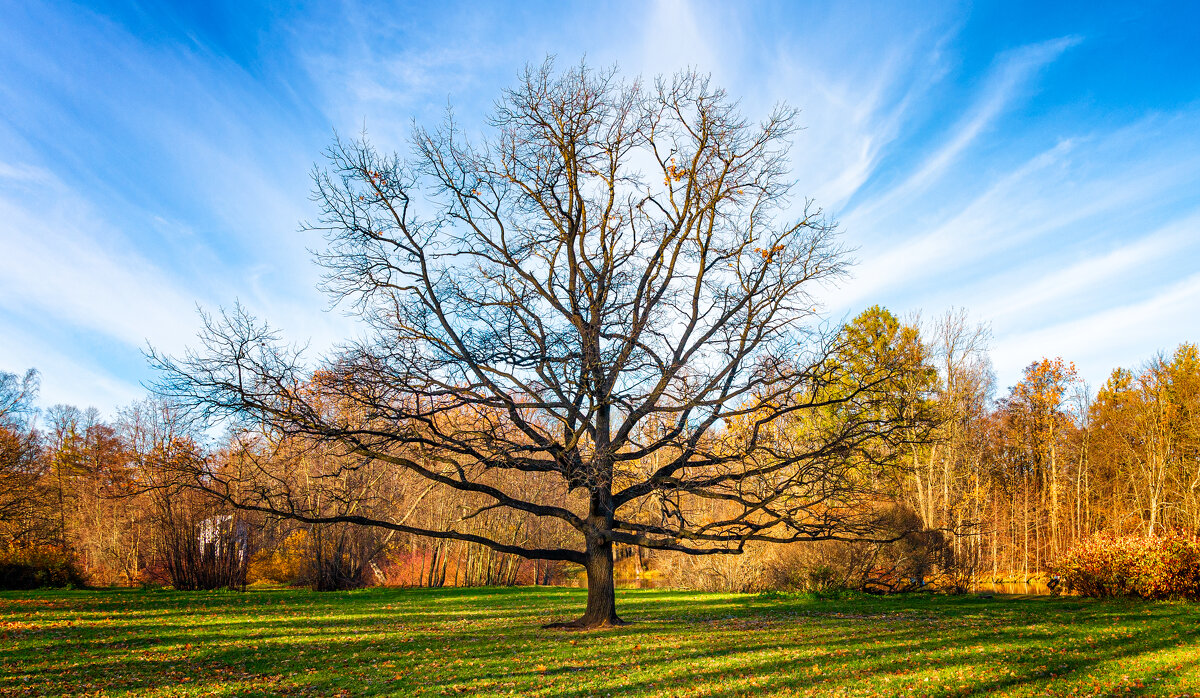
x=613, y=290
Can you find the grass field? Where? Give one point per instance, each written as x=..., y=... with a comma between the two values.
x=488, y=642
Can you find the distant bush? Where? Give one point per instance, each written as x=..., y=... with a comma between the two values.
x=282, y=562
x=914, y=559
x=33, y=568
x=203, y=553
x=341, y=556
x=1167, y=567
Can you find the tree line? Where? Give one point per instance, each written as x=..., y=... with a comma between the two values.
x=1010, y=485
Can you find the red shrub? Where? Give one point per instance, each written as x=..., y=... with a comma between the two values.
x=1152, y=568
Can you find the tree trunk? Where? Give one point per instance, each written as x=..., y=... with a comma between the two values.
x=602, y=600
x=601, y=611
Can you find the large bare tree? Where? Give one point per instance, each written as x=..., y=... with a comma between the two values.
x=612, y=288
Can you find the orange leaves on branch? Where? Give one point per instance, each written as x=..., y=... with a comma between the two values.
x=767, y=254
x=1041, y=397
x=674, y=173
x=377, y=178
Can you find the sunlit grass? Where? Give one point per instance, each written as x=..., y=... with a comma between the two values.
x=489, y=642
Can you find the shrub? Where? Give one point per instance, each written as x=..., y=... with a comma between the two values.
x=341, y=556
x=32, y=568
x=211, y=553
x=198, y=547
x=1152, y=568
x=819, y=567
x=283, y=562
x=725, y=573
x=823, y=579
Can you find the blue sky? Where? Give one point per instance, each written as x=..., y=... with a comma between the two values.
x=1035, y=163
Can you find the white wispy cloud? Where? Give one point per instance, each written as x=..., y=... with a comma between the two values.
x=1121, y=336
x=68, y=376
x=1008, y=80
x=1093, y=276
x=1078, y=189
x=675, y=36
x=56, y=262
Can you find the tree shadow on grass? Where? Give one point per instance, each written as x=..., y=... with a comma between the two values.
x=394, y=642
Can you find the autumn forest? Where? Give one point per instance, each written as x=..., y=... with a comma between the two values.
x=1012, y=479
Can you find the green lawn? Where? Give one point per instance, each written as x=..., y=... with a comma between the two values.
x=488, y=642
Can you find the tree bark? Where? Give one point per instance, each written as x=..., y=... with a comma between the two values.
x=602, y=600
x=601, y=611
